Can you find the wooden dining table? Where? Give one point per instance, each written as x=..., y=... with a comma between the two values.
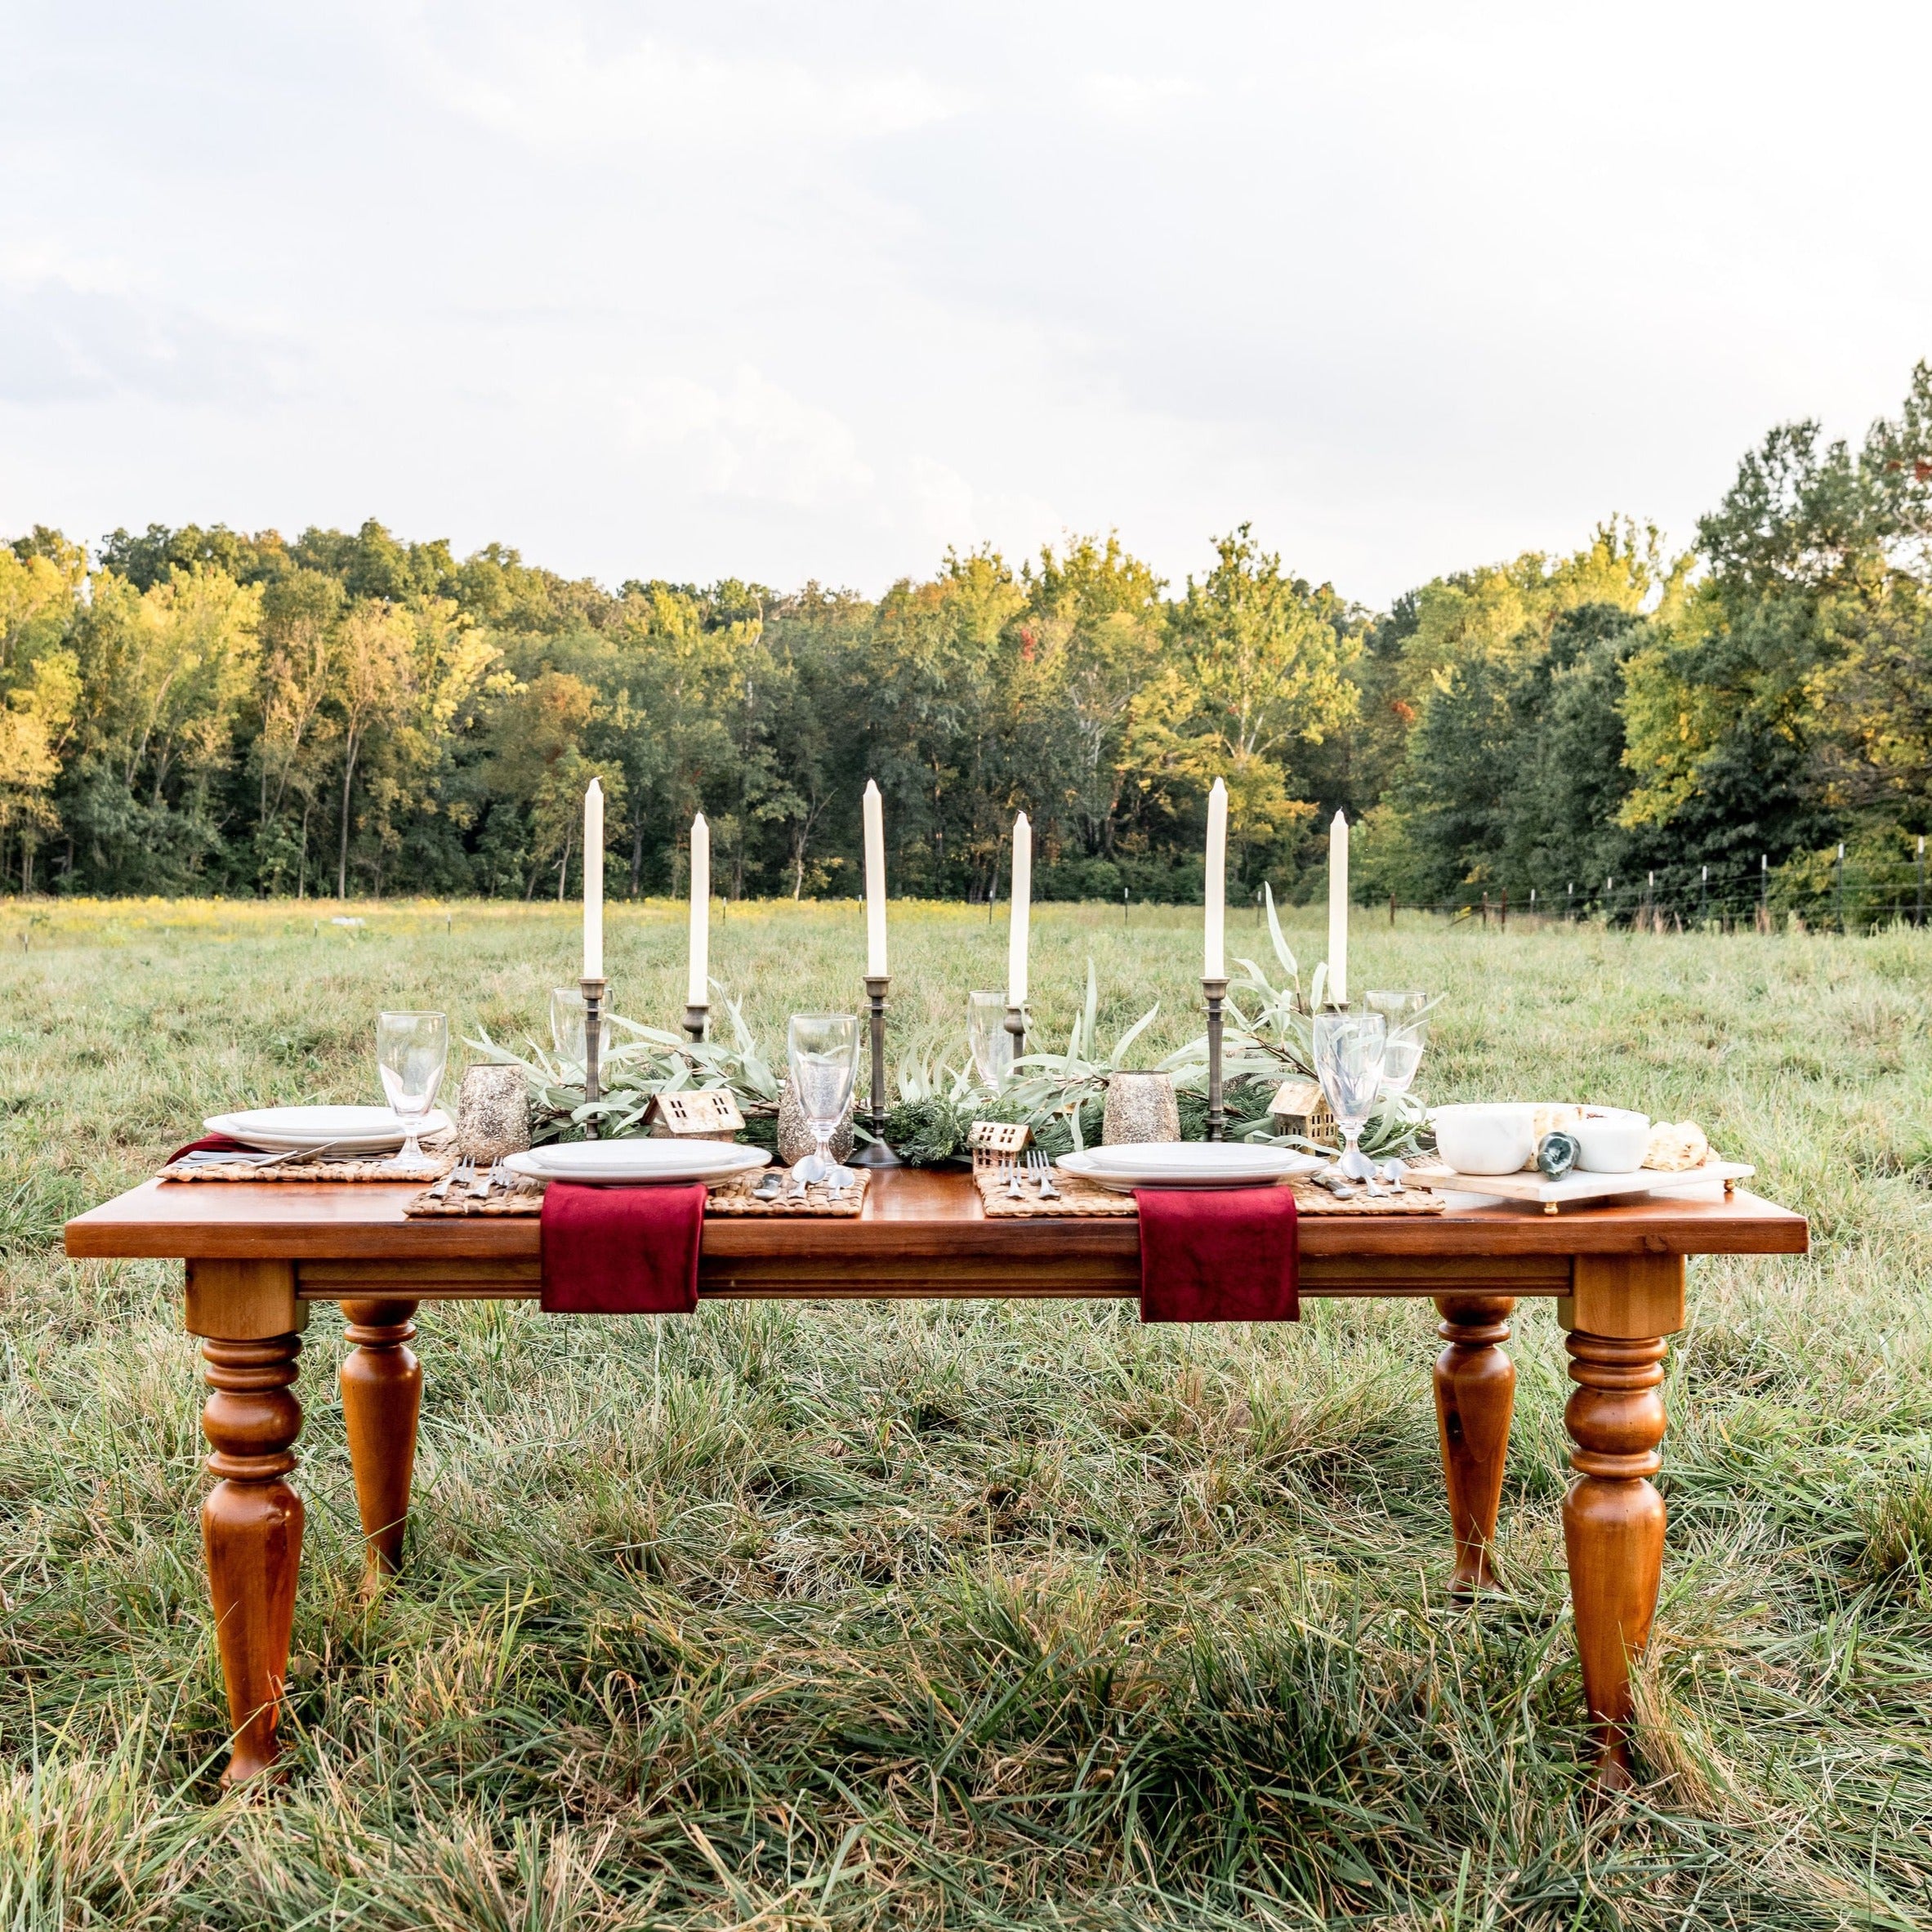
x=260, y=1255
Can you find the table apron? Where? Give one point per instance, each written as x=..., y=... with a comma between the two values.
x=795, y=1277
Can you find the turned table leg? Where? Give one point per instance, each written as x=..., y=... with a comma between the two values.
x=1476, y=1391
x=251, y=1527
x=381, y=1400
x=1612, y=1519
x=251, y=1326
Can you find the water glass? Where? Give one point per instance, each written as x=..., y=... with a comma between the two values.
x=1400, y=1059
x=412, y=1050
x=567, y=1009
x=1349, y=1049
x=1402, y=1012
x=987, y=1036
x=824, y=1052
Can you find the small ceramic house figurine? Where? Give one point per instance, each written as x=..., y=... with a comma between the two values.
x=1300, y=1106
x=997, y=1144
x=707, y=1114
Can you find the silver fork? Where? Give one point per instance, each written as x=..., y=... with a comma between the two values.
x=464, y=1170
x=481, y=1184
x=1013, y=1189
x=1042, y=1173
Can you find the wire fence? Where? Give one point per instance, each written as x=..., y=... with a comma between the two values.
x=1838, y=892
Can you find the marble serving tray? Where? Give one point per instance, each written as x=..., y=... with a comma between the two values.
x=1577, y=1189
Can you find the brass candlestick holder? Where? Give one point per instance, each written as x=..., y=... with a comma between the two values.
x=1216, y=990
x=593, y=1046
x=876, y=1154
x=696, y=1019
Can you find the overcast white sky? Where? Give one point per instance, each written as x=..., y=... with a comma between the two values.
x=816, y=290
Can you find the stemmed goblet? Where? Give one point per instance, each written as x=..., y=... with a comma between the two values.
x=412, y=1050
x=1406, y=1016
x=987, y=1036
x=823, y=1049
x=1348, y=1053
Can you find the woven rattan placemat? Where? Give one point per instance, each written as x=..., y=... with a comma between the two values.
x=438, y=1158
x=1083, y=1197
x=732, y=1197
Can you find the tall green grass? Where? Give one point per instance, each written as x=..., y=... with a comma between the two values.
x=971, y=1614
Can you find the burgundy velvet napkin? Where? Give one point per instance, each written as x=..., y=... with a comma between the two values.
x=1218, y=1254
x=621, y=1250
x=211, y=1144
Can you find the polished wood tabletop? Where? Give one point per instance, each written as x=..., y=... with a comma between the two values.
x=260, y=1254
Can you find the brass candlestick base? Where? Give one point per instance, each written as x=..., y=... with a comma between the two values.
x=593, y=1044
x=1216, y=990
x=696, y=1019
x=876, y=1154
x=1016, y=1026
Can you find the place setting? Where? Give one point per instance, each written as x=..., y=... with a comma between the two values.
x=407, y=1140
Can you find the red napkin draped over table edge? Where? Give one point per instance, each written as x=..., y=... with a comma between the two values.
x=621, y=1250
x=1218, y=1254
x=211, y=1144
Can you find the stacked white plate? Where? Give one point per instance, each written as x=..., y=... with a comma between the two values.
x=638, y=1164
x=1186, y=1164
x=342, y=1130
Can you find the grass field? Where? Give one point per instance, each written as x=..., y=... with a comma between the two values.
x=971, y=1615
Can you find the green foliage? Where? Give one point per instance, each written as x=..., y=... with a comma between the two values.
x=208, y=709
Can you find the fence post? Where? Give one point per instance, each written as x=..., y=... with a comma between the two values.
x=1842, y=927
x=1763, y=892
x=1485, y=911
x=1920, y=920
x=1569, y=908
x=1504, y=917
x=1392, y=900
x=1650, y=899
x=1704, y=897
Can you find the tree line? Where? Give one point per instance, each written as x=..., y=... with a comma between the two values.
x=205, y=710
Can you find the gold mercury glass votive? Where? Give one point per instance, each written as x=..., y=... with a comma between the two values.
x=1139, y=1107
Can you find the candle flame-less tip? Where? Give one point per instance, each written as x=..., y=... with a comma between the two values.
x=871, y=787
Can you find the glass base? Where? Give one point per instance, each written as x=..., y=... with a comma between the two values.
x=876, y=1154
x=1352, y=1164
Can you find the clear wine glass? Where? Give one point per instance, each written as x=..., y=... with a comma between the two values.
x=567, y=1011
x=1400, y=1058
x=1349, y=1053
x=1401, y=1010
x=411, y=1051
x=824, y=1052
x=987, y=1036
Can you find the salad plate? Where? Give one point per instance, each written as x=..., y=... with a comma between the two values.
x=638, y=1164
x=345, y=1130
x=1185, y=1164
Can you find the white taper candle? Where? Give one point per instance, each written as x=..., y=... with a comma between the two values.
x=593, y=882
x=698, y=987
x=875, y=882
x=1022, y=892
x=1338, y=909
x=1214, y=958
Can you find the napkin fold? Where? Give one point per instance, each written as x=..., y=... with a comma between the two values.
x=620, y=1251
x=1218, y=1254
x=211, y=1144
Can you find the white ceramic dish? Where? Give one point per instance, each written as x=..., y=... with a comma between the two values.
x=638, y=1164
x=348, y=1130
x=1612, y=1139
x=1186, y=1164
x=1497, y=1139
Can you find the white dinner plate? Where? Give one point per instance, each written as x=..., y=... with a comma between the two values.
x=1186, y=1164
x=640, y=1162
x=349, y=1130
